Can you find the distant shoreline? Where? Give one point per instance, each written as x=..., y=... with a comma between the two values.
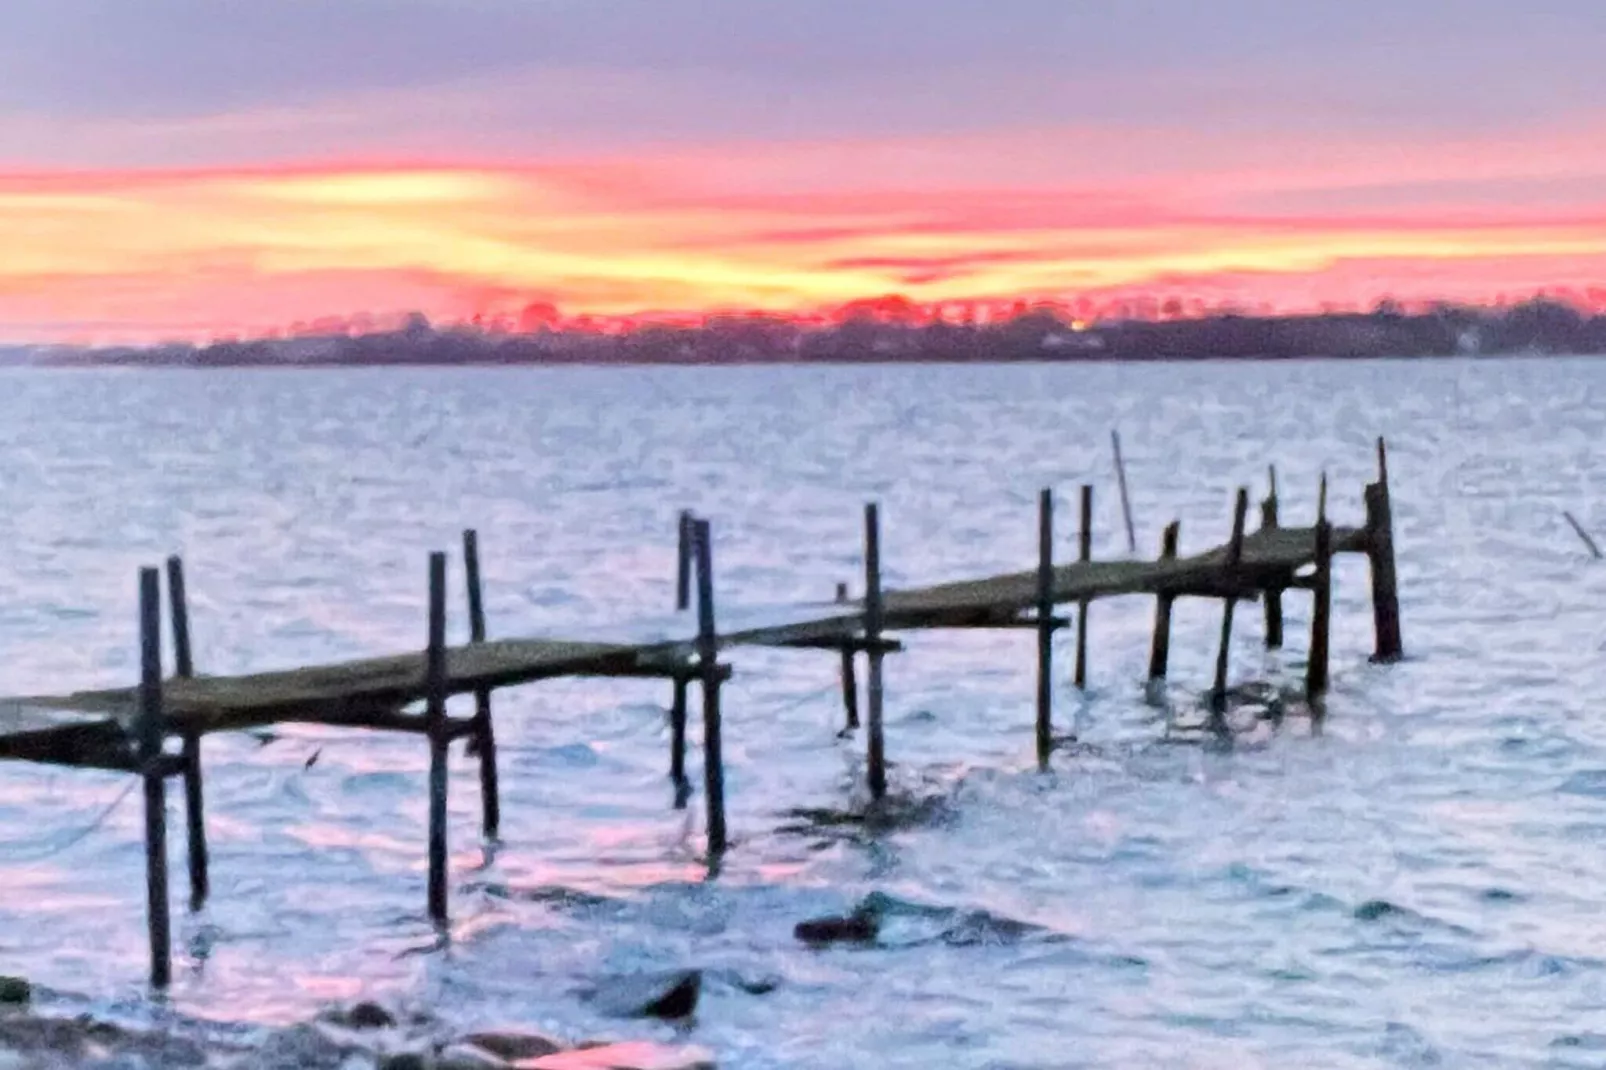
x=1538, y=327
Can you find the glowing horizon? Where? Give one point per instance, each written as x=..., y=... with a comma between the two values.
x=231, y=173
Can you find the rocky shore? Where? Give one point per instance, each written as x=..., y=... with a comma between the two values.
x=362, y=1036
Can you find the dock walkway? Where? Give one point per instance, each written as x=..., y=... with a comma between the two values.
x=128, y=729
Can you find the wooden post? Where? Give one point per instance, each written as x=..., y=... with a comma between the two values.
x=150, y=732
x=1235, y=550
x=850, y=688
x=1160, y=649
x=872, y=632
x=484, y=731
x=1045, y=625
x=683, y=562
x=1274, y=595
x=708, y=659
x=1322, y=602
x=1126, y=503
x=184, y=668
x=1380, y=555
x=435, y=721
x=677, y=737
x=1084, y=554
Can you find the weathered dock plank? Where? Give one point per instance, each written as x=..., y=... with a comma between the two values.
x=348, y=692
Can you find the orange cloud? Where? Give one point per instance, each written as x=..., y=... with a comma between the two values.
x=196, y=253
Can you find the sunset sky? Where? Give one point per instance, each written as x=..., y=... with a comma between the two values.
x=185, y=168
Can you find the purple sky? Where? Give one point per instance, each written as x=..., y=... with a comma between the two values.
x=113, y=83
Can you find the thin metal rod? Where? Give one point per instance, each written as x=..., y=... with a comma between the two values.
x=1584, y=535
x=1126, y=502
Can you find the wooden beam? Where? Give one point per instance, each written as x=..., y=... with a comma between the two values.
x=194, y=800
x=1321, y=603
x=1160, y=648
x=1235, y=549
x=435, y=716
x=485, y=731
x=1380, y=555
x=876, y=747
x=708, y=654
x=1084, y=553
x=1274, y=597
x=151, y=731
x=1045, y=626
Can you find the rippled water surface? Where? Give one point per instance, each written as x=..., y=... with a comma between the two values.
x=1419, y=883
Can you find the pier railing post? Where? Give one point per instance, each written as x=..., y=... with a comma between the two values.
x=151, y=730
x=1235, y=550
x=194, y=804
x=1045, y=625
x=683, y=562
x=484, y=730
x=1380, y=556
x=435, y=670
x=850, y=687
x=1321, y=602
x=1273, y=595
x=873, y=621
x=677, y=739
x=1084, y=554
x=708, y=666
x=1160, y=648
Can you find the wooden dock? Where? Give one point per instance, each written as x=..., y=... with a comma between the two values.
x=130, y=729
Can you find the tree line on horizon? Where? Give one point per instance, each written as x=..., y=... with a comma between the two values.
x=886, y=330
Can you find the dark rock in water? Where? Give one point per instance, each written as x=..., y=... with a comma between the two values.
x=513, y=1045
x=368, y=1015
x=669, y=995
x=859, y=927
x=15, y=991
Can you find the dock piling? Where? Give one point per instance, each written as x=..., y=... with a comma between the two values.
x=194, y=804
x=1084, y=554
x=1160, y=648
x=1321, y=602
x=435, y=723
x=1273, y=595
x=850, y=688
x=873, y=615
x=1380, y=556
x=150, y=732
x=1235, y=550
x=1045, y=625
x=708, y=664
x=484, y=731
x=677, y=740
x=684, y=562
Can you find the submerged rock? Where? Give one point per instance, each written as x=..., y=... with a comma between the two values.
x=513, y=1045
x=364, y=1015
x=669, y=995
x=860, y=927
x=629, y=1056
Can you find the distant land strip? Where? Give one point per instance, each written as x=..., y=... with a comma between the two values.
x=1537, y=327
